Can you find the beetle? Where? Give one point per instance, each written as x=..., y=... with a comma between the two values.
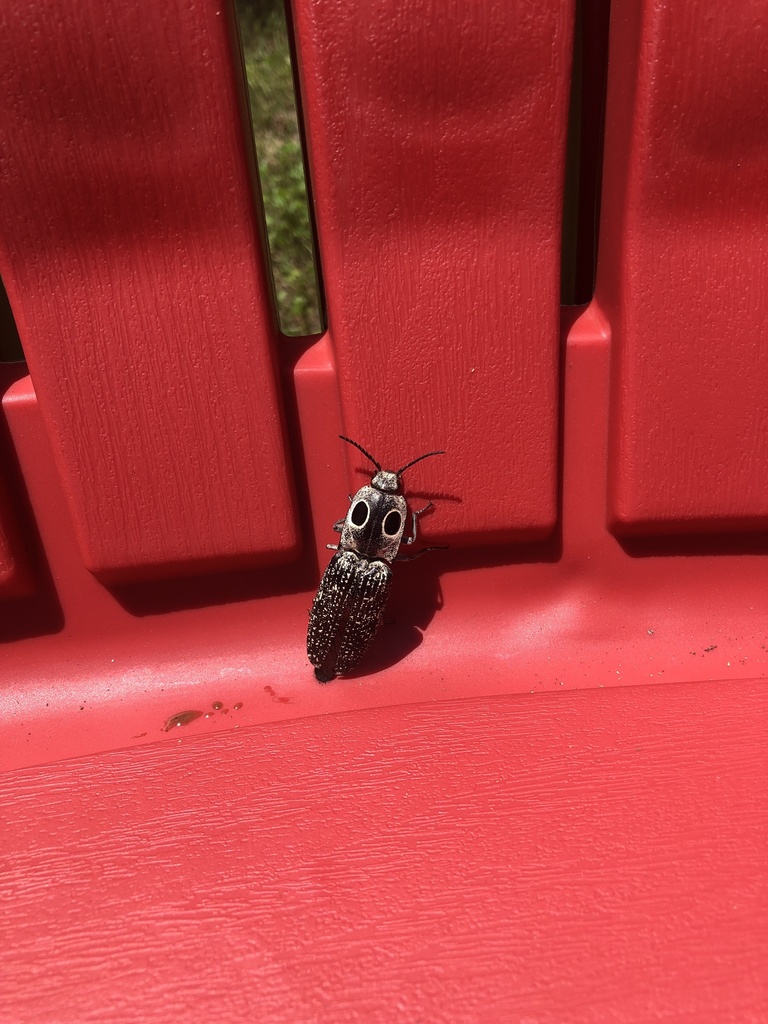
x=350, y=601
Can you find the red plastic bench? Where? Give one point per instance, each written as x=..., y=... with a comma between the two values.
x=543, y=795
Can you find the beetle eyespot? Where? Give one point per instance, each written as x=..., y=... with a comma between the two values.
x=392, y=523
x=359, y=514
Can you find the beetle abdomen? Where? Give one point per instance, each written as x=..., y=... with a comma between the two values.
x=346, y=613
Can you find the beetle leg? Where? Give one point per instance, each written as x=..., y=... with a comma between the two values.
x=332, y=547
x=338, y=527
x=414, y=517
x=418, y=554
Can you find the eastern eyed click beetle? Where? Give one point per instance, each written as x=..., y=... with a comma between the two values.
x=353, y=592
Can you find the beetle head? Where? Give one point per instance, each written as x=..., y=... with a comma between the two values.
x=387, y=482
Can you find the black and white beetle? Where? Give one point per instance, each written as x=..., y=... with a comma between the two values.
x=353, y=592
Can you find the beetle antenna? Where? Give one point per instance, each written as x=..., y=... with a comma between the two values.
x=365, y=453
x=427, y=456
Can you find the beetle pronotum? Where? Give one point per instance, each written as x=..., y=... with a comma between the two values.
x=353, y=592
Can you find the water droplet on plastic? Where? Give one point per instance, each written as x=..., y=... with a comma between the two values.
x=183, y=718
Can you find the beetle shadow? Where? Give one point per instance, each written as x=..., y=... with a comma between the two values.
x=417, y=592
x=416, y=597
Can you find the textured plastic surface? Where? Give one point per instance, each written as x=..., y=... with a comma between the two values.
x=130, y=252
x=439, y=203
x=569, y=859
x=683, y=257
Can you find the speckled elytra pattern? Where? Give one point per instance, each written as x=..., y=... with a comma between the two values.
x=346, y=613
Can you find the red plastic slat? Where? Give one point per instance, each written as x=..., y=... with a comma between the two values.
x=129, y=248
x=682, y=272
x=570, y=858
x=436, y=146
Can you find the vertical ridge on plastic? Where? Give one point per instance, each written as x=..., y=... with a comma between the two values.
x=683, y=266
x=14, y=576
x=436, y=140
x=129, y=247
